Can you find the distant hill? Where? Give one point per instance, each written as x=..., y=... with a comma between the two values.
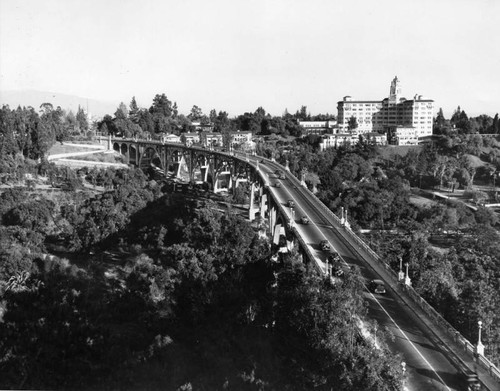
x=35, y=98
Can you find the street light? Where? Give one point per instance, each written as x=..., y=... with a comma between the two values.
x=407, y=278
x=480, y=346
x=401, y=274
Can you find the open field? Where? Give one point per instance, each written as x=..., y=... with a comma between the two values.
x=103, y=157
x=389, y=151
x=59, y=148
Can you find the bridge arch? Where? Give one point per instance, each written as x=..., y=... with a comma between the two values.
x=133, y=155
x=150, y=157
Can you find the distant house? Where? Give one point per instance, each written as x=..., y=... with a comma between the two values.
x=318, y=127
x=211, y=139
x=374, y=138
x=239, y=138
x=171, y=138
x=403, y=135
x=337, y=139
x=190, y=138
x=201, y=127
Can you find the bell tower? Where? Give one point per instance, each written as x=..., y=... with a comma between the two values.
x=395, y=92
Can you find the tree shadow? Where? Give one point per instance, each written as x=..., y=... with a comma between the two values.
x=454, y=381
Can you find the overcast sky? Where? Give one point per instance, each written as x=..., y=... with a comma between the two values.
x=238, y=55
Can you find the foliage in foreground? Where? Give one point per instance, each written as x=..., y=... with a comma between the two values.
x=204, y=308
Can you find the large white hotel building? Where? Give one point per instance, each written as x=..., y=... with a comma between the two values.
x=404, y=121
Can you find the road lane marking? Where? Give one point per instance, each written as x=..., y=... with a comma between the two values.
x=296, y=208
x=406, y=337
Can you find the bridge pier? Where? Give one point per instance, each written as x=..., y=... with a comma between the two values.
x=204, y=173
x=251, y=209
x=219, y=181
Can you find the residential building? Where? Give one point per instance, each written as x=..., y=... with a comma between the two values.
x=171, y=138
x=229, y=140
x=190, y=138
x=374, y=138
x=389, y=113
x=403, y=135
x=239, y=138
x=211, y=139
x=337, y=139
x=202, y=127
x=318, y=127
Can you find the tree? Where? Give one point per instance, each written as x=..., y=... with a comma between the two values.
x=461, y=121
x=495, y=127
x=133, y=108
x=196, y=114
x=161, y=106
x=440, y=123
x=121, y=112
x=302, y=114
x=213, y=115
x=313, y=180
x=222, y=122
x=352, y=124
x=81, y=120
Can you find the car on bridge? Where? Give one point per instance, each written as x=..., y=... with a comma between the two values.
x=291, y=203
x=280, y=174
x=377, y=286
x=304, y=220
x=324, y=245
x=277, y=184
x=334, y=257
x=337, y=270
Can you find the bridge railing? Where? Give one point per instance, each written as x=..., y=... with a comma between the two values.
x=371, y=256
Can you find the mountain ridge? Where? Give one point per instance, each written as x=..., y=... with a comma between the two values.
x=34, y=98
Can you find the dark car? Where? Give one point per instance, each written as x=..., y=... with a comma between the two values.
x=324, y=245
x=304, y=220
x=291, y=203
x=337, y=270
x=377, y=286
x=277, y=184
x=280, y=174
x=334, y=257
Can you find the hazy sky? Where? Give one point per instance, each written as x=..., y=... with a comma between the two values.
x=237, y=55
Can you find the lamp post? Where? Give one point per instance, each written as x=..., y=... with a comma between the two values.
x=401, y=274
x=407, y=278
x=480, y=346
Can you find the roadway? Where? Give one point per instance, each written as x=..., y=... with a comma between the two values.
x=427, y=368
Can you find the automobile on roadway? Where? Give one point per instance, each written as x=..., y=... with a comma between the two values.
x=377, y=286
x=324, y=245
x=277, y=184
x=280, y=174
x=337, y=270
x=334, y=257
x=304, y=220
x=291, y=203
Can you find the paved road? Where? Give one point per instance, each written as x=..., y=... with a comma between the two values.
x=427, y=367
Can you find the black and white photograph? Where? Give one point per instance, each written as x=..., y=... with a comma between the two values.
x=266, y=195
